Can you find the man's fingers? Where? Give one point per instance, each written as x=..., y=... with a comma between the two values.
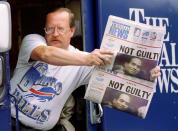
x=105, y=59
x=100, y=61
x=106, y=52
x=107, y=55
x=156, y=75
x=157, y=69
x=101, y=57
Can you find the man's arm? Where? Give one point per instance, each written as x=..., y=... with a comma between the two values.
x=58, y=56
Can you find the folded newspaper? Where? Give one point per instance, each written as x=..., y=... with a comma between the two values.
x=126, y=84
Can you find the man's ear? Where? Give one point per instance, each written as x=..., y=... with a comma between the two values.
x=72, y=31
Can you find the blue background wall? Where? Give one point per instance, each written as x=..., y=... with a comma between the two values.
x=162, y=114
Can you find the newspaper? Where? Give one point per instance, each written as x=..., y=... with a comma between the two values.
x=126, y=84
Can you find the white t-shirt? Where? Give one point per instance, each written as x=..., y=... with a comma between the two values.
x=42, y=89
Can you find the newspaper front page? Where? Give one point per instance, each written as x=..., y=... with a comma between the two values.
x=126, y=84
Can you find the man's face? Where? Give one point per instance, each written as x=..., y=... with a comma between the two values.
x=123, y=101
x=62, y=33
x=133, y=67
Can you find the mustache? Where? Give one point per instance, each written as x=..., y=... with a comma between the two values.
x=55, y=39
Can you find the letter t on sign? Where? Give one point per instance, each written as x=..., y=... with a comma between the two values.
x=136, y=12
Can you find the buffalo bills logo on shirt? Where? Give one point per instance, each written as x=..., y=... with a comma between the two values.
x=38, y=85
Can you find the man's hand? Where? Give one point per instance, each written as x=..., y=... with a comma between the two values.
x=98, y=57
x=155, y=73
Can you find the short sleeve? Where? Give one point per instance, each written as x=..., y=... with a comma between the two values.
x=29, y=43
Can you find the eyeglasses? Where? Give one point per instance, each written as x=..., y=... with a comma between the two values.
x=50, y=30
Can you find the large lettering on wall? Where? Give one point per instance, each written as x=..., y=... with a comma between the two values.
x=168, y=82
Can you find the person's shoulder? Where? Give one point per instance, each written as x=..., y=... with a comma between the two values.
x=33, y=37
x=73, y=49
x=33, y=40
